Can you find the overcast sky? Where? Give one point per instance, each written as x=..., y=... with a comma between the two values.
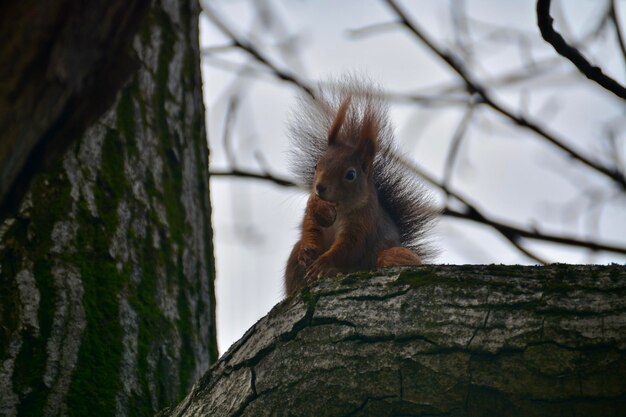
x=510, y=174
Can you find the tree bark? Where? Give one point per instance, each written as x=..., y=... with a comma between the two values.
x=106, y=273
x=63, y=62
x=434, y=340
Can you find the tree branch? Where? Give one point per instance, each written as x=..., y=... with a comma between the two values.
x=474, y=86
x=254, y=52
x=594, y=73
x=470, y=212
x=618, y=29
x=238, y=173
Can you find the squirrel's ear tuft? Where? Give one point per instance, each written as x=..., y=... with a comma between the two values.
x=368, y=141
x=333, y=133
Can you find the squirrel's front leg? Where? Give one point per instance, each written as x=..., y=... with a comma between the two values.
x=318, y=214
x=341, y=256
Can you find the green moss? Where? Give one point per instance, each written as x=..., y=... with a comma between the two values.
x=142, y=299
x=96, y=380
x=550, y=359
x=101, y=349
x=30, y=364
x=418, y=277
x=504, y=270
x=307, y=298
x=30, y=239
x=354, y=277
x=51, y=202
x=45, y=284
x=8, y=298
x=126, y=112
x=29, y=368
x=111, y=182
x=616, y=272
x=126, y=117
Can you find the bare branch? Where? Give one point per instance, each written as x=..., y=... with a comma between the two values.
x=594, y=73
x=254, y=52
x=472, y=213
x=237, y=173
x=474, y=93
x=372, y=29
x=618, y=29
x=510, y=232
x=530, y=254
x=458, y=136
x=473, y=86
x=209, y=50
x=233, y=105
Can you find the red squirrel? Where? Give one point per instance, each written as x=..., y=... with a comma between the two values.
x=364, y=210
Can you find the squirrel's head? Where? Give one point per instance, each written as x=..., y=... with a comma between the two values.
x=343, y=175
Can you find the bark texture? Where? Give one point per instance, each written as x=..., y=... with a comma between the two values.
x=63, y=61
x=432, y=341
x=106, y=272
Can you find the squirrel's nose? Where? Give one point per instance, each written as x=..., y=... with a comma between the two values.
x=320, y=190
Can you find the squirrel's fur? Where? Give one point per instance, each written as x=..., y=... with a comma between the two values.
x=350, y=110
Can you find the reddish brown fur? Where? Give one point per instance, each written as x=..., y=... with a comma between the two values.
x=345, y=228
x=333, y=133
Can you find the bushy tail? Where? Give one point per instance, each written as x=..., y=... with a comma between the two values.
x=399, y=190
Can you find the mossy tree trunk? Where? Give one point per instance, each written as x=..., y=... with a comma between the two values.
x=63, y=62
x=432, y=341
x=106, y=272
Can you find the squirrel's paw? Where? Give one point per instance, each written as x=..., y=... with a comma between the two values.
x=325, y=214
x=307, y=255
x=322, y=267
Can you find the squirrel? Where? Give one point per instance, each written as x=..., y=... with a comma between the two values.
x=365, y=210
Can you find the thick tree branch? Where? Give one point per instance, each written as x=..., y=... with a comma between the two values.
x=594, y=73
x=430, y=341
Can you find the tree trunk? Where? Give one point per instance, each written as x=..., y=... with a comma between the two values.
x=106, y=273
x=63, y=62
x=435, y=340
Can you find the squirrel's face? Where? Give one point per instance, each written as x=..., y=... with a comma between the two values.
x=342, y=177
x=343, y=174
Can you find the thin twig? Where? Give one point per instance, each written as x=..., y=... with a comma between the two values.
x=231, y=110
x=371, y=29
x=455, y=144
x=254, y=52
x=530, y=254
x=594, y=73
x=210, y=50
x=618, y=28
x=469, y=212
x=238, y=173
x=474, y=86
x=511, y=233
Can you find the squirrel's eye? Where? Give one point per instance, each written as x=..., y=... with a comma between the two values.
x=351, y=175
